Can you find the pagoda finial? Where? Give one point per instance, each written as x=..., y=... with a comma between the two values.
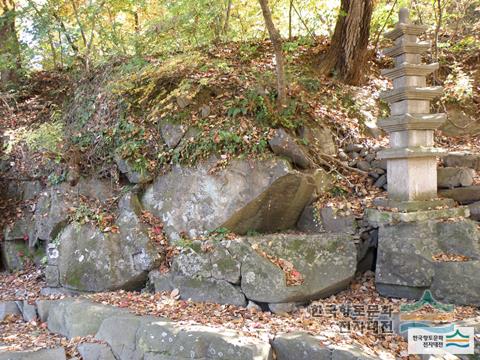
x=404, y=16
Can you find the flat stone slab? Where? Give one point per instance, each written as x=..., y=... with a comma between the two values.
x=125, y=336
x=379, y=218
x=44, y=354
x=78, y=317
x=43, y=307
x=463, y=195
x=413, y=206
x=157, y=338
x=135, y=337
x=462, y=159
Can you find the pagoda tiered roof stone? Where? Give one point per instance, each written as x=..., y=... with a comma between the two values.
x=405, y=29
x=407, y=69
x=412, y=122
x=408, y=48
x=411, y=93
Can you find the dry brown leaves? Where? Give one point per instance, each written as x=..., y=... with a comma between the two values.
x=156, y=234
x=17, y=335
x=248, y=322
x=22, y=285
x=264, y=325
x=446, y=257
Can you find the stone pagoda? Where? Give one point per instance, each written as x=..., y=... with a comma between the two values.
x=412, y=157
x=410, y=239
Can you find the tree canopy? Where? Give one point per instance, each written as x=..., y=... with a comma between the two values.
x=79, y=33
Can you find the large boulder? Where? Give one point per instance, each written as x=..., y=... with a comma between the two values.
x=451, y=177
x=408, y=264
x=120, y=332
x=280, y=268
x=314, y=220
x=326, y=263
x=262, y=195
x=20, y=229
x=319, y=138
x=22, y=190
x=91, y=260
x=208, y=276
x=299, y=346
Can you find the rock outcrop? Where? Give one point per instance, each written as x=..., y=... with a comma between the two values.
x=134, y=175
x=88, y=259
x=409, y=260
x=257, y=268
x=262, y=195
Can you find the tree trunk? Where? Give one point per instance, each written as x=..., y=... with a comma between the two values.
x=347, y=54
x=10, y=61
x=438, y=8
x=277, y=47
x=227, y=18
x=290, y=13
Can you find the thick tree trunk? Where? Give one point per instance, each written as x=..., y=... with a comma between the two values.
x=347, y=54
x=277, y=47
x=9, y=46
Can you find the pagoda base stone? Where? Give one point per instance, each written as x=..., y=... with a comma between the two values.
x=415, y=205
x=379, y=218
x=412, y=178
x=409, y=262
